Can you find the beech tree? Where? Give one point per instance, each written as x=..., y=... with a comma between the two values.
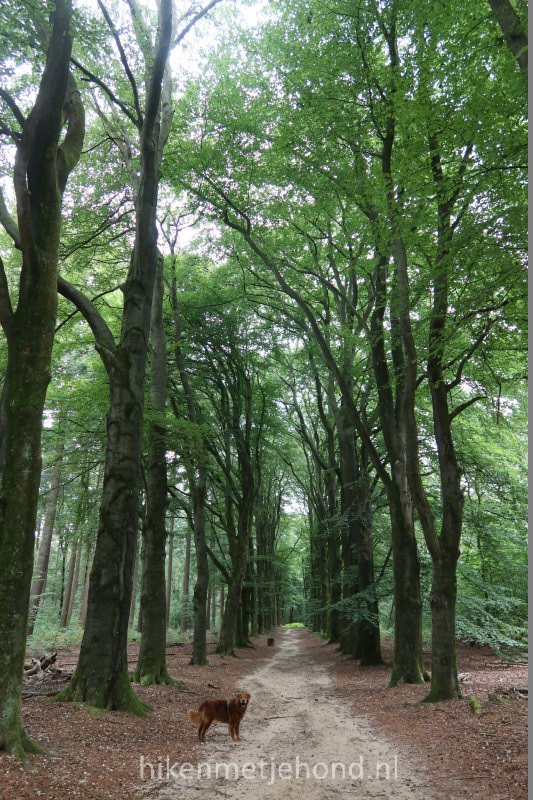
x=101, y=677
x=42, y=167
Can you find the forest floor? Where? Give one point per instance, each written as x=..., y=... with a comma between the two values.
x=308, y=701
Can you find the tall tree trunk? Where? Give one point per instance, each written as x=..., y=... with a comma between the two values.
x=41, y=570
x=185, y=584
x=134, y=583
x=213, y=608
x=101, y=677
x=69, y=584
x=74, y=585
x=356, y=510
x=408, y=665
x=208, y=608
x=170, y=557
x=199, y=647
x=85, y=591
x=41, y=172
x=444, y=548
x=151, y=664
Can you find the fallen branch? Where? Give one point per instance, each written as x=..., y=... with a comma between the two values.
x=39, y=665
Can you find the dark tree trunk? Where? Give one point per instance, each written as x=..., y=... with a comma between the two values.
x=134, y=582
x=444, y=548
x=169, y=568
x=208, y=609
x=512, y=29
x=444, y=681
x=221, y=604
x=199, y=647
x=232, y=606
x=41, y=172
x=213, y=608
x=408, y=666
x=74, y=585
x=71, y=585
x=38, y=585
x=85, y=591
x=185, y=583
x=151, y=665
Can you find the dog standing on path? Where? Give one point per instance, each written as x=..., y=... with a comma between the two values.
x=228, y=711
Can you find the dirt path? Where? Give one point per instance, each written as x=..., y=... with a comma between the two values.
x=294, y=718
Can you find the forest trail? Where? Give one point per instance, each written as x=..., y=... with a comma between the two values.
x=294, y=715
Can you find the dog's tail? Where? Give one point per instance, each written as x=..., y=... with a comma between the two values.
x=194, y=716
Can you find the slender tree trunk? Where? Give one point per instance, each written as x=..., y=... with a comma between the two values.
x=151, y=664
x=69, y=584
x=221, y=605
x=85, y=594
x=208, y=609
x=199, y=648
x=213, y=608
x=134, y=581
x=444, y=548
x=38, y=585
x=185, y=584
x=408, y=666
x=169, y=567
x=74, y=586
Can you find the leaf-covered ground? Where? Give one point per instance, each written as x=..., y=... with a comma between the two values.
x=459, y=754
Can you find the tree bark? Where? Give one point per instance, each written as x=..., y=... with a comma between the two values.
x=213, y=608
x=74, y=584
x=199, y=647
x=170, y=558
x=512, y=29
x=444, y=548
x=151, y=664
x=134, y=582
x=364, y=641
x=38, y=585
x=85, y=592
x=185, y=583
x=66, y=608
x=221, y=604
x=41, y=172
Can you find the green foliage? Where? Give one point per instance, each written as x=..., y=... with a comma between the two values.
x=476, y=706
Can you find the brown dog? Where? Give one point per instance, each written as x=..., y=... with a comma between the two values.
x=229, y=711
